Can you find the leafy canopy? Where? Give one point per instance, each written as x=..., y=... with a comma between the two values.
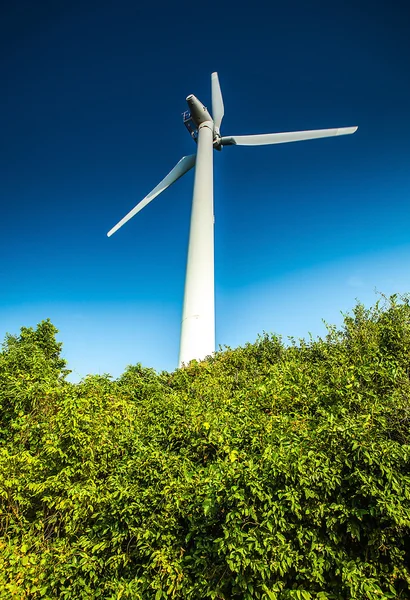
x=267, y=472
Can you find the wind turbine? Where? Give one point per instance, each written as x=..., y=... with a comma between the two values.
x=198, y=316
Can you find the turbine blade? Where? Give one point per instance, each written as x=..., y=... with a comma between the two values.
x=183, y=166
x=217, y=102
x=282, y=138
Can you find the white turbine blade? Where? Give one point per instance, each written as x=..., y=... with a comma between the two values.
x=217, y=101
x=183, y=166
x=282, y=138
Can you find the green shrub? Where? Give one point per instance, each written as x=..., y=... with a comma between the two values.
x=264, y=472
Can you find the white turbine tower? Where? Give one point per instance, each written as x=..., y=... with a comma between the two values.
x=198, y=317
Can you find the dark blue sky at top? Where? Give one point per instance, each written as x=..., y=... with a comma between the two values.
x=90, y=120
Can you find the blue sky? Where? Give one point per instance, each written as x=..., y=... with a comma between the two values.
x=90, y=118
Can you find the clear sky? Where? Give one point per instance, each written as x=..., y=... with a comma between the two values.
x=90, y=121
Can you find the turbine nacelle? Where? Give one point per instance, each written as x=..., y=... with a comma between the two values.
x=199, y=112
x=196, y=116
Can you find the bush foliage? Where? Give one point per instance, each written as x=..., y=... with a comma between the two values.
x=272, y=471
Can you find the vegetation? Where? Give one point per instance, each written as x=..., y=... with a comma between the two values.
x=271, y=471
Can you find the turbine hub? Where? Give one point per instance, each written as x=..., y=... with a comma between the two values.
x=217, y=142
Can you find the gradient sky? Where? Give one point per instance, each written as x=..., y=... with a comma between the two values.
x=90, y=120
